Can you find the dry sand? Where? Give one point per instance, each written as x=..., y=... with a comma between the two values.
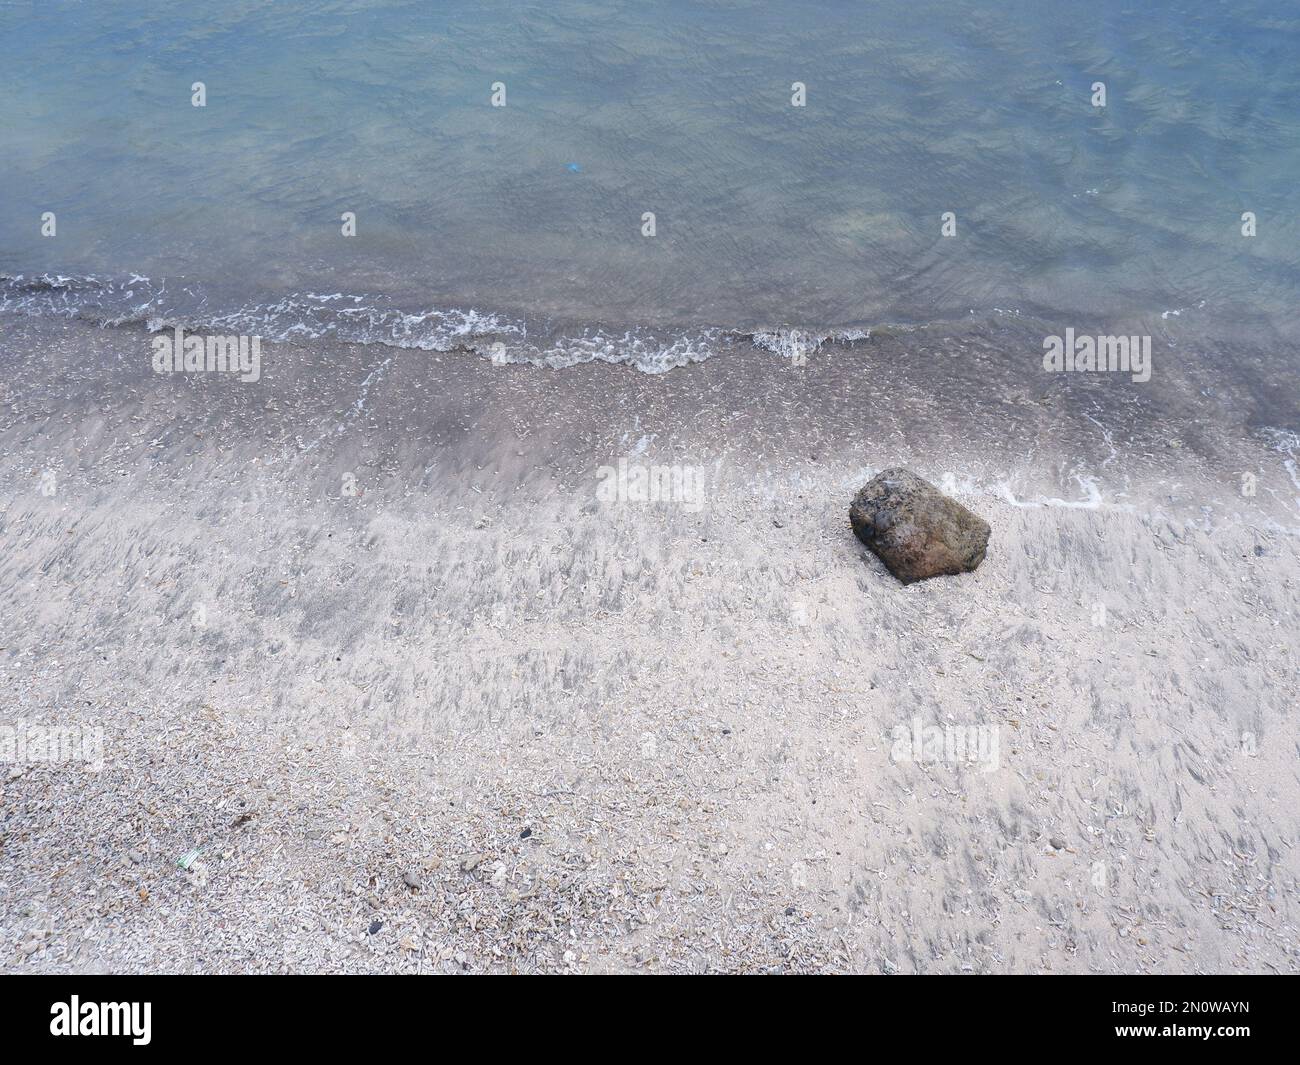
x=472, y=718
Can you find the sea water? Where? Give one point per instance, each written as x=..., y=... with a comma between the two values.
x=633, y=181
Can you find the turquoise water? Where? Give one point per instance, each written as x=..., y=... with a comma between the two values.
x=523, y=223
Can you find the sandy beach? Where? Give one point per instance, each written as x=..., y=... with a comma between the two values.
x=429, y=692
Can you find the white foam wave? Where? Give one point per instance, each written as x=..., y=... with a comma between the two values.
x=797, y=344
x=1092, y=498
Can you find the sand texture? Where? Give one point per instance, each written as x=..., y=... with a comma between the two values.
x=368, y=636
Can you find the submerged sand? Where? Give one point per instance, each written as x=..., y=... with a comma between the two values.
x=368, y=637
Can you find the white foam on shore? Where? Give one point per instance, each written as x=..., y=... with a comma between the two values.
x=1287, y=443
x=1092, y=497
x=375, y=319
x=798, y=344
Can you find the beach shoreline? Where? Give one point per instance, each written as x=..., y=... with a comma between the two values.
x=366, y=634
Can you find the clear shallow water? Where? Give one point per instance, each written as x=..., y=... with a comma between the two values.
x=521, y=225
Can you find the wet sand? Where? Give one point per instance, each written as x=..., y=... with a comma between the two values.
x=366, y=634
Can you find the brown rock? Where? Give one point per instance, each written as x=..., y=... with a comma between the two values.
x=915, y=529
